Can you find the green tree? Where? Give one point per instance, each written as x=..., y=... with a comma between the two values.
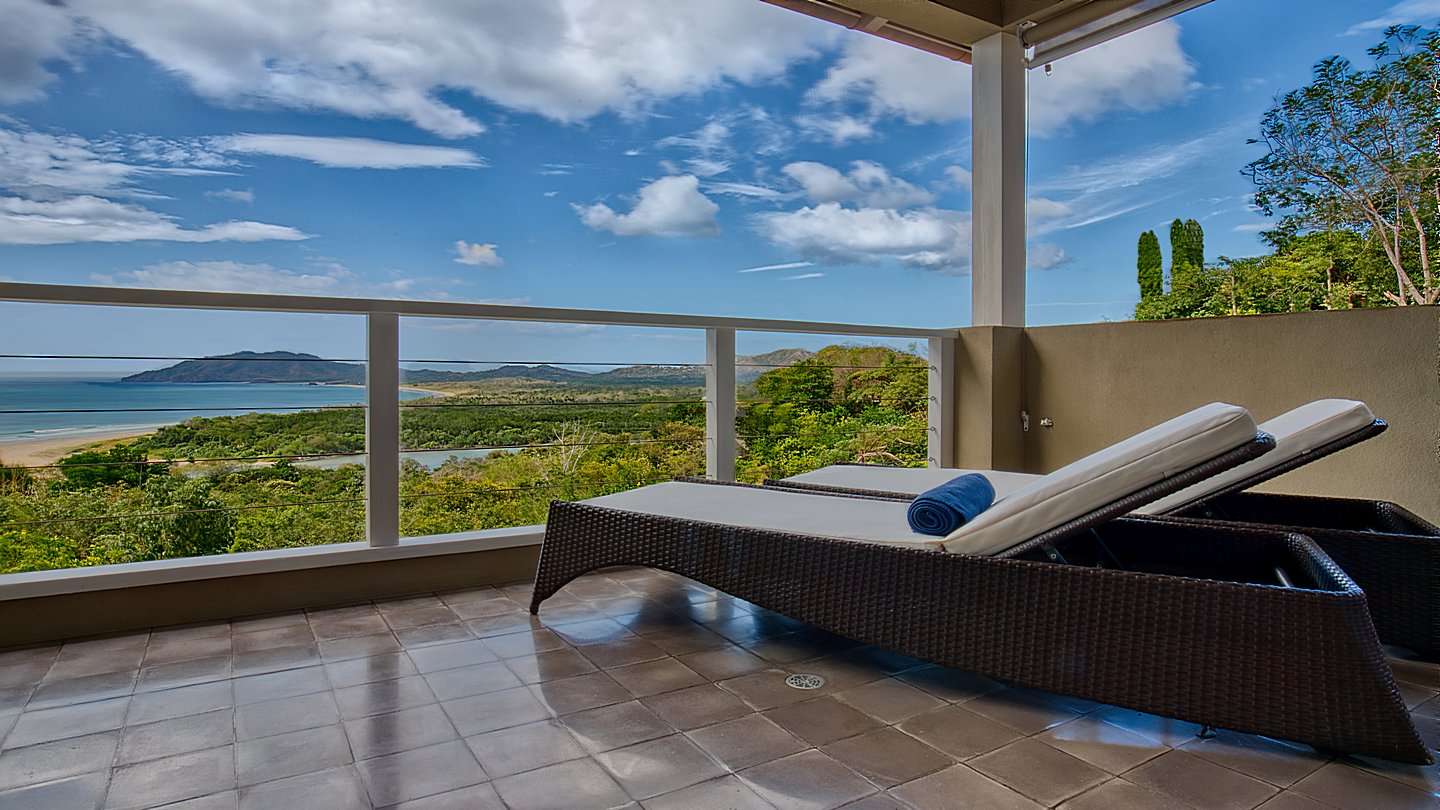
x=1356, y=150
x=1150, y=266
x=121, y=464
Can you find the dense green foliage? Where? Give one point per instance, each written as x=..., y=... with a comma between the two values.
x=1331, y=270
x=1355, y=151
x=146, y=500
x=1150, y=266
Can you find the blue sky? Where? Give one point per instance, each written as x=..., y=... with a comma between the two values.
x=722, y=157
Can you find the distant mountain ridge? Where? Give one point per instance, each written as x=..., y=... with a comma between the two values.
x=298, y=367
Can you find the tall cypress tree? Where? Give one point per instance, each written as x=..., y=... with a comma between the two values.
x=1150, y=266
x=1179, y=248
x=1195, y=240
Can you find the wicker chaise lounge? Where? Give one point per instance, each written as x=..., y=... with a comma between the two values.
x=1392, y=554
x=1196, y=626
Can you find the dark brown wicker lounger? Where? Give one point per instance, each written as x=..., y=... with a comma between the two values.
x=1188, y=630
x=1391, y=553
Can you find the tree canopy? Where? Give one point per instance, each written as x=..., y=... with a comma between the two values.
x=1356, y=150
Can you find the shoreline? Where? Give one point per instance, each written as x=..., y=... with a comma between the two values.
x=429, y=392
x=45, y=452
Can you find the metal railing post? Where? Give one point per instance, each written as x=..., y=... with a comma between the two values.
x=720, y=404
x=940, y=421
x=382, y=429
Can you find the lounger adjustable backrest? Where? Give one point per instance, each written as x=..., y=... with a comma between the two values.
x=1106, y=478
x=1302, y=435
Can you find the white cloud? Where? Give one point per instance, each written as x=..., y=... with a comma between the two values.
x=64, y=188
x=821, y=183
x=893, y=79
x=707, y=168
x=745, y=190
x=563, y=59
x=1410, y=11
x=88, y=218
x=351, y=153
x=929, y=238
x=33, y=34
x=1046, y=256
x=837, y=129
x=959, y=176
x=228, y=276
x=670, y=206
x=1252, y=227
x=803, y=276
x=1143, y=70
x=476, y=254
x=244, y=195
x=768, y=267
x=866, y=181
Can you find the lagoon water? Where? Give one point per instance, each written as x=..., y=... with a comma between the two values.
x=110, y=396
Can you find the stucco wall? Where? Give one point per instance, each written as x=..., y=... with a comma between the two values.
x=1102, y=382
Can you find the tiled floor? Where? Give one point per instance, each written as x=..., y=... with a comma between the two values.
x=633, y=688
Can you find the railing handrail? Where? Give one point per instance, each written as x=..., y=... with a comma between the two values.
x=27, y=292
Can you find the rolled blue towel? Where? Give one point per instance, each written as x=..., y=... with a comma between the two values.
x=947, y=507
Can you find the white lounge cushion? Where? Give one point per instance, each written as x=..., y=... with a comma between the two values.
x=1104, y=477
x=1297, y=432
x=778, y=510
x=907, y=480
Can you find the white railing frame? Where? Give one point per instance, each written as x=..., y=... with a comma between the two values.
x=382, y=387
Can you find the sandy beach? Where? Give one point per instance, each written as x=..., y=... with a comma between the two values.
x=42, y=452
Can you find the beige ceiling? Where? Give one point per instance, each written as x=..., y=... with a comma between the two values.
x=950, y=27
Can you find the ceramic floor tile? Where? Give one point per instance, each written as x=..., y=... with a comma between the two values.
x=356, y=671
x=1281, y=764
x=1101, y=744
x=1047, y=775
x=1350, y=788
x=334, y=789
x=383, y=696
x=276, y=685
x=1118, y=794
x=390, y=733
x=451, y=656
x=474, y=797
x=275, y=659
x=663, y=765
x=271, y=717
x=524, y=748
x=420, y=772
x=549, y=666
x=888, y=757
x=84, y=689
x=889, y=700
x=44, y=725
x=54, y=760
x=1201, y=783
x=745, y=742
x=172, y=779
x=581, y=783
x=449, y=684
x=959, y=732
x=725, y=793
x=195, y=732
x=494, y=710
x=431, y=634
x=569, y=695
x=615, y=726
x=808, y=779
x=152, y=706
x=340, y=649
x=962, y=788
x=697, y=706
x=1022, y=709
x=296, y=752
x=822, y=721
x=83, y=792
x=183, y=673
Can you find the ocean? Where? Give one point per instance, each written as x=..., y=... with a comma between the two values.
x=97, y=406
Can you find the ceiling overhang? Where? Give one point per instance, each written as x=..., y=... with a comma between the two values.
x=1049, y=29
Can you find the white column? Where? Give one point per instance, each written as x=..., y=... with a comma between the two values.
x=997, y=122
x=382, y=429
x=720, y=404
x=940, y=446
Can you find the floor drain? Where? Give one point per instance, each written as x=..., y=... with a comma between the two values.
x=805, y=681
